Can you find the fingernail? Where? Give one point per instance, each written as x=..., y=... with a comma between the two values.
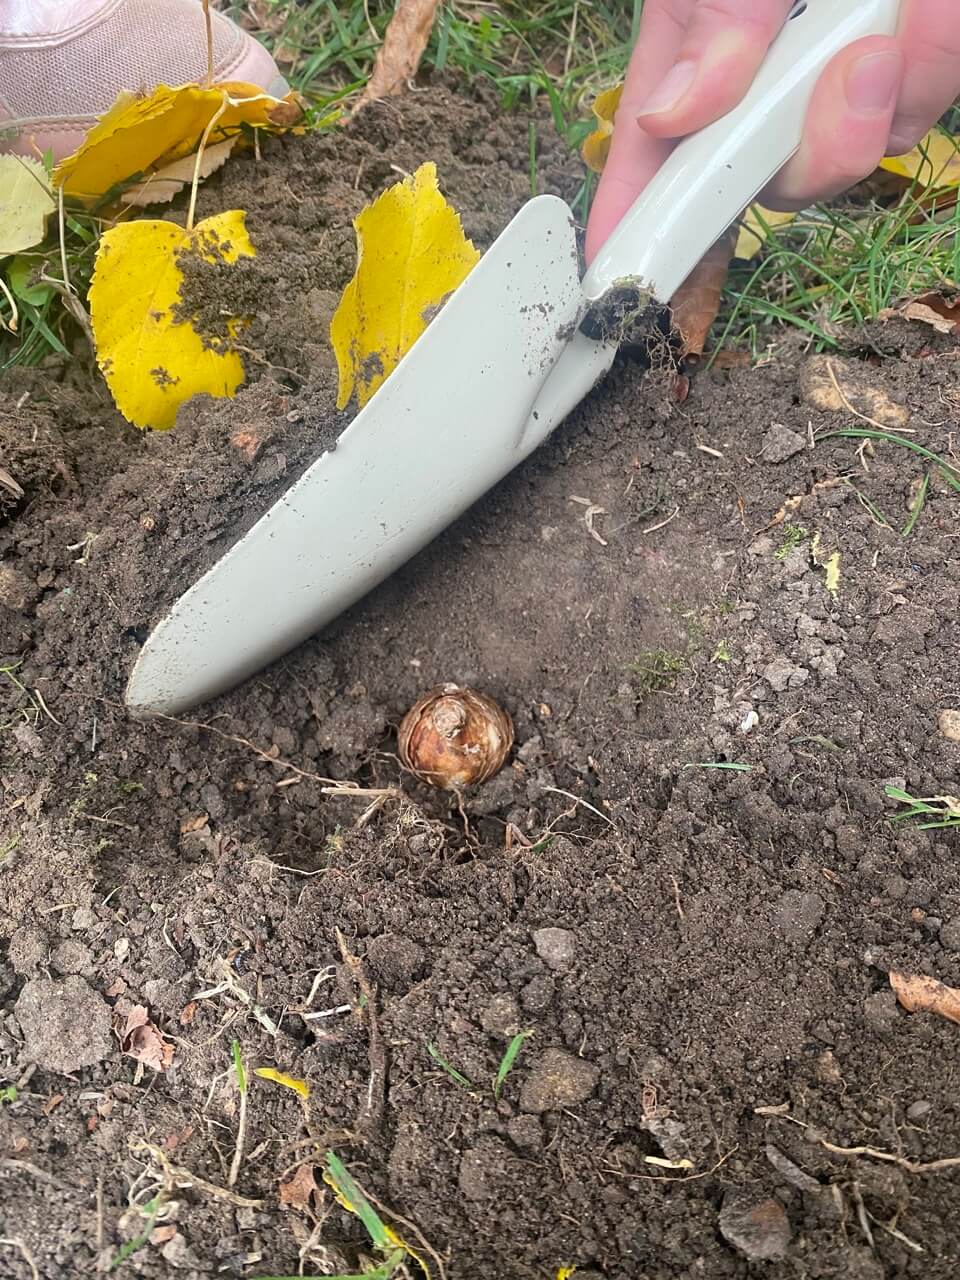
x=873, y=82
x=670, y=89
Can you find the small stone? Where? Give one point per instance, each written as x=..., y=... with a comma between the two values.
x=556, y=948
x=65, y=1024
x=525, y=1132
x=950, y=725
x=780, y=443
x=17, y=592
x=796, y=916
x=950, y=934
x=791, y=1171
x=782, y=674
x=501, y=1017
x=880, y=1011
x=83, y=918
x=827, y=1068
x=178, y=1253
x=759, y=1229
x=27, y=950
x=557, y=1080
x=749, y=722
x=538, y=994
x=28, y=740
x=917, y=1110
x=71, y=957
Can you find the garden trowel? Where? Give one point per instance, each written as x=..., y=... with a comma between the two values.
x=500, y=367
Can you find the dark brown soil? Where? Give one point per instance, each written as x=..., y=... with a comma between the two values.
x=719, y=996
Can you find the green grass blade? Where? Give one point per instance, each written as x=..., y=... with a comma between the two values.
x=451, y=1071
x=508, y=1059
x=918, y=504
x=357, y=1202
x=238, y=1066
x=949, y=472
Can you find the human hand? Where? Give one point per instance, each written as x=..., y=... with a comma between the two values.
x=695, y=59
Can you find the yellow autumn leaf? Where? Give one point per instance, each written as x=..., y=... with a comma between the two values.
x=832, y=572
x=152, y=357
x=565, y=1273
x=142, y=133
x=755, y=226
x=411, y=255
x=25, y=203
x=288, y=1082
x=935, y=162
x=596, y=147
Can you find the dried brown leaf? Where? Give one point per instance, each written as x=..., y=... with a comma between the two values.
x=298, y=1190
x=939, y=312
x=919, y=993
x=697, y=302
x=162, y=185
x=403, y=45
x=142, y=1041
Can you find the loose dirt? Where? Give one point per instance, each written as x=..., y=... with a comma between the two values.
x=686, y=889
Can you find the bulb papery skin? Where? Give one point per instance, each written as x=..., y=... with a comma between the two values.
x=454, y=738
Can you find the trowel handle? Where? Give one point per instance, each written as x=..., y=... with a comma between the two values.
x=713, y=175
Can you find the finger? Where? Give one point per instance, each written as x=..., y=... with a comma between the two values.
x=725, y=43
x=930, y=36
x=847, y=125
x=634, y=157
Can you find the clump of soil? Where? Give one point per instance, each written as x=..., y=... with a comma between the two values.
x=685, y=891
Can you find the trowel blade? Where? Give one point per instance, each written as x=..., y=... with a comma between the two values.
x=458, y=413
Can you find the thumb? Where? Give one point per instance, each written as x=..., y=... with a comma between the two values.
x=634, y=156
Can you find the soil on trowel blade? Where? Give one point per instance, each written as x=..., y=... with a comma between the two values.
x=685, y=891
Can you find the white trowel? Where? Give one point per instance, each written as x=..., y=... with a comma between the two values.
x=498, y=369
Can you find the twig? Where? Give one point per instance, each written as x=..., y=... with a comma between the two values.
x=690, y=1177
x=100, y=1231
x=195, y=185
x=931, y=1166
x=61, y=218
x=371, y=1113
x=676, y=896
x=24, y=1166
x=28, y=1256
x=109, y=822
x=208, y=22
x=586, y=804
x=862, y=1213
x=257, y=751
x=662, y=525
x=897, y=1235
x=14, y=320
x=176, y=1175
x=242, y=1119
x=43, y=707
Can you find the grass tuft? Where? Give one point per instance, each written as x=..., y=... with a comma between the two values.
x=841, y=266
